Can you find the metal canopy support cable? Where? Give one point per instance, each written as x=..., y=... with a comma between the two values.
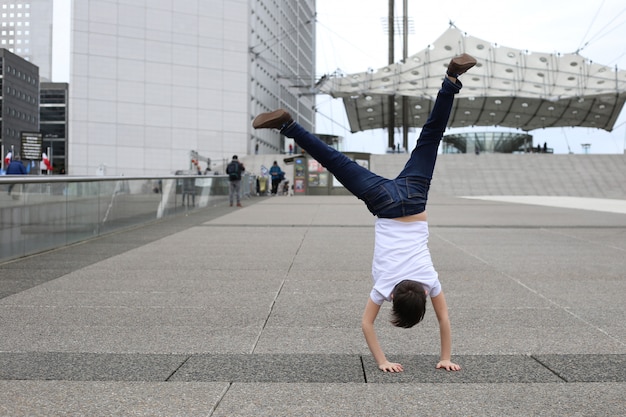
x=391, y=103
x=405, y=55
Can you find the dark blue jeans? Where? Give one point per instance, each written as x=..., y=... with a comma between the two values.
x=408, y=192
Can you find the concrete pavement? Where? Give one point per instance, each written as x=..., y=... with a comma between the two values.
x=256, y=311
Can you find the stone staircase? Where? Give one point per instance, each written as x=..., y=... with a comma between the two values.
x=599, y=176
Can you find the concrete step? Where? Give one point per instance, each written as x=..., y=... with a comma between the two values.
x=599, y=176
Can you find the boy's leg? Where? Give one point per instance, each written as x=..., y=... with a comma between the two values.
x=355, y=178
x=423, y=157
x=237, y=185
x=231, y=192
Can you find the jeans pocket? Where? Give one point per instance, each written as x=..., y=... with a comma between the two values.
x=417, y=189
x=377, y=198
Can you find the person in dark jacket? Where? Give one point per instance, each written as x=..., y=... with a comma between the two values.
x=235, y=170
x=16, y=167
x=277, y=175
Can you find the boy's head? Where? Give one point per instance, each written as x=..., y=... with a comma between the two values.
x=409, y=304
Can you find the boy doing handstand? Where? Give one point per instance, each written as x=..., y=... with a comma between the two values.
x=402, y=268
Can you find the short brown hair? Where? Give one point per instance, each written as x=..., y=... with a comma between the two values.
x=409, y=304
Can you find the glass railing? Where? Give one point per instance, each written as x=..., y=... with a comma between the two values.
x=39, y=213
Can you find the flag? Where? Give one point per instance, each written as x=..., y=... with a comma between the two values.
x=46, y=161
x=7, y=159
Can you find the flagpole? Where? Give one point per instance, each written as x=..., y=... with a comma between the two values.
x=49, y=161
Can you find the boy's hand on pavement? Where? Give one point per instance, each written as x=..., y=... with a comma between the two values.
x=390, y=367
x=448, y=366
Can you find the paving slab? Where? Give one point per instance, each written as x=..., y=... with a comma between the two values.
x=475, y=369
x=139, y=338
x=352, y=400
x=108, y=398
x=88, y=366
x=586, y=368
x=320, y=368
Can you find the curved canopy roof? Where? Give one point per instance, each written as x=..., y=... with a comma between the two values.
x=508, y=87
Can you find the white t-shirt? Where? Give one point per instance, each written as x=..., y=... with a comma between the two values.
x=401, y=253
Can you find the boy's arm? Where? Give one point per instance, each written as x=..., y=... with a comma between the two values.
x=445, y=333
x=367, y=325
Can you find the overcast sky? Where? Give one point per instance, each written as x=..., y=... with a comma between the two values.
x=350, y=37
x=61, y=21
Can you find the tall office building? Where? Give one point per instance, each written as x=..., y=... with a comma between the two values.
x=282, y=57
x=53, y=121
x=19, y=101
x=150, y=81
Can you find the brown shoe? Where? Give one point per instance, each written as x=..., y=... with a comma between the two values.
x=239, y=205
x=460, y=64
x=278, y=119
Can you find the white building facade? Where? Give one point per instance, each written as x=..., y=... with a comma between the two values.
x=151, y=81
x=282, y=63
